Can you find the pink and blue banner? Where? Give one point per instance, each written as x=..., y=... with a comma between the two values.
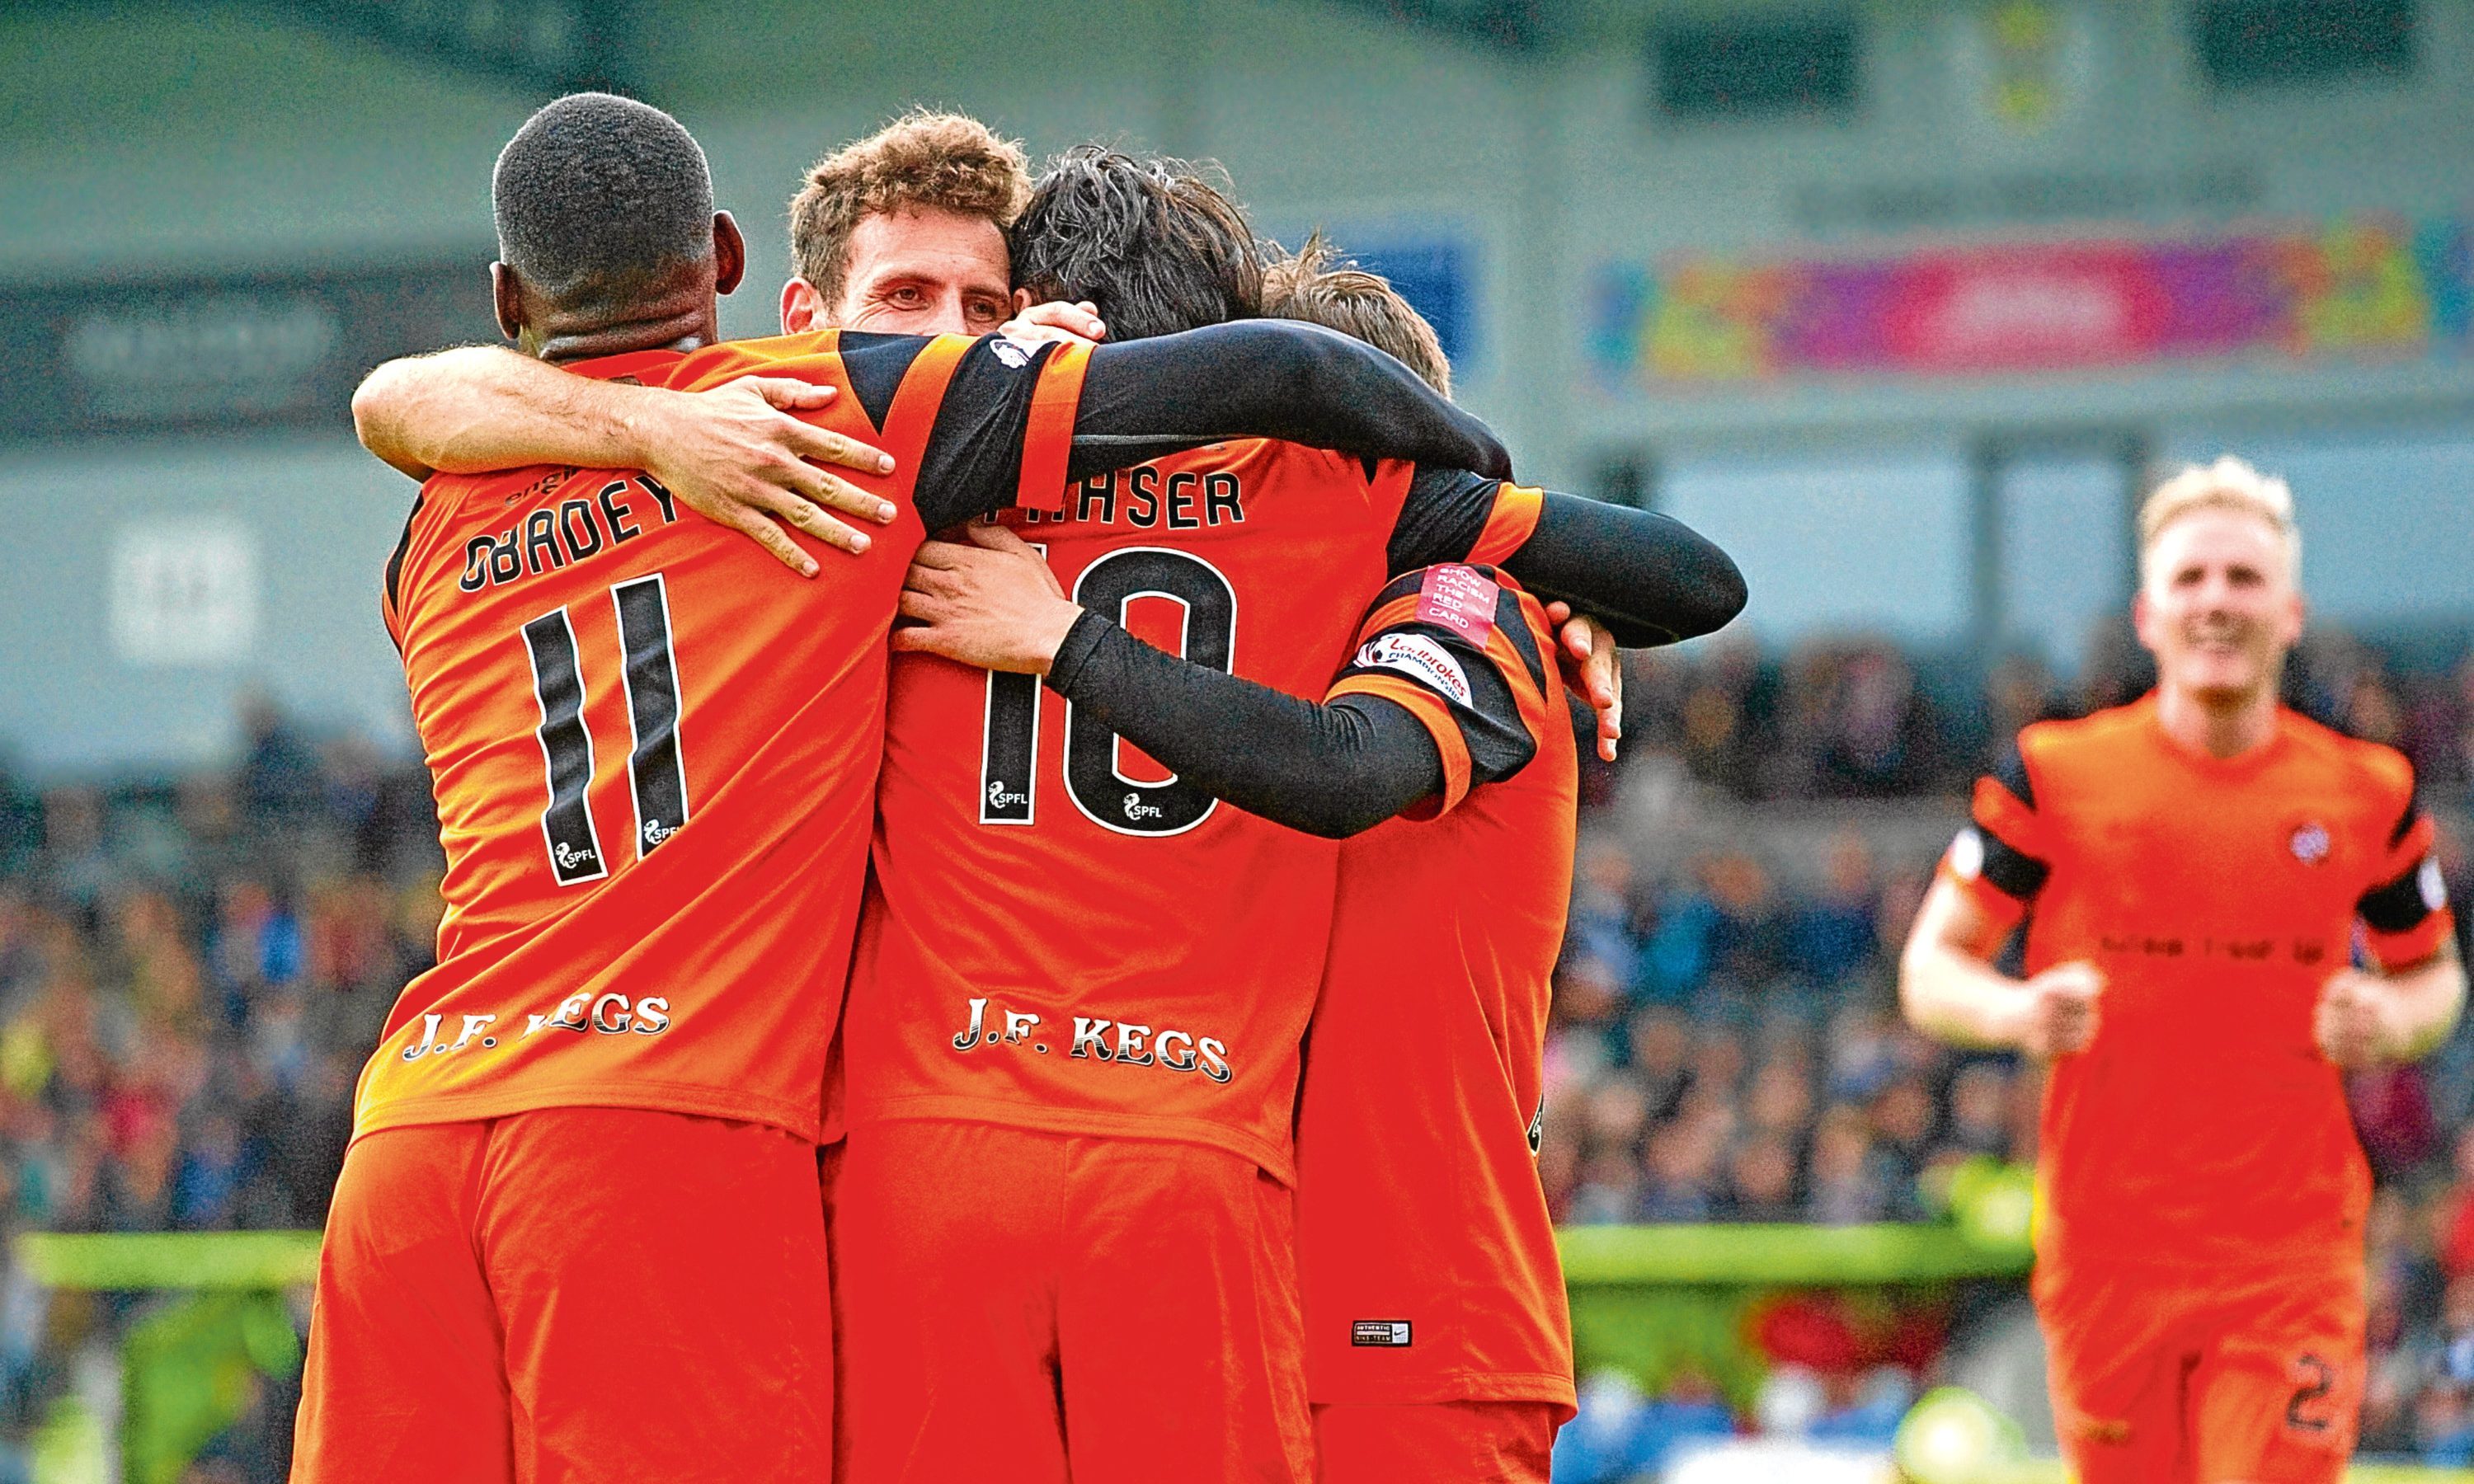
x=2360, y=288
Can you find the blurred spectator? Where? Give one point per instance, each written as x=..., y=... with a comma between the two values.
x=192, y=974
x=1850, y=1181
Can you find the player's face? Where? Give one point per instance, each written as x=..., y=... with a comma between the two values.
x=2218, y=610
x=926, y=272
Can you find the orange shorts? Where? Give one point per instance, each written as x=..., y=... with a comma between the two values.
x=1032, y=1307
x=1446, y=1442
x=2159, y=1379
x=571, y=1295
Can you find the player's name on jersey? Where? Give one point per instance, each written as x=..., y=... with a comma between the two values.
x=1118, y=1042
x=547, y=538
x=1146, y=497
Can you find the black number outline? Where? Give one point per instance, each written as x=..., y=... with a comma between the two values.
x=657, y=775
x=2324, y=1381
x=1172, y=794
x=566, y=744
x=1013, y=704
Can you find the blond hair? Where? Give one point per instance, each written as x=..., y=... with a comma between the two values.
x=948, y=161
x=1316, y=284
x=2228, y=484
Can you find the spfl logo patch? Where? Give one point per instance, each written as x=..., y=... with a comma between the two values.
x=2310, y=844
x=1390, y=1332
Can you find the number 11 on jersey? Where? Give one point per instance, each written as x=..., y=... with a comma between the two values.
x=657, y=782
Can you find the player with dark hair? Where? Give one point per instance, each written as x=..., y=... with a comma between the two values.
x=1066, y=1184
x=1437, y=1344
x=1155, y=246
x=654, y=760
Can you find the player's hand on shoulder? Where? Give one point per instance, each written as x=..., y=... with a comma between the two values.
x=2057, y=1010
x=1058, y=321
x=2351, y=1022
x=1591, y=669
x=988, y=600
x=734, y=455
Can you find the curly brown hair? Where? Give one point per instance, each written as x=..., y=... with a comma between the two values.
x=945, y=160
x=1316, y=283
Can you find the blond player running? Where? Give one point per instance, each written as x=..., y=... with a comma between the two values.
x=2228, y=906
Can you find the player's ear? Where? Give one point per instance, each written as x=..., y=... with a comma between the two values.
x=803, y=308
x=507, y=299
x=729, y=253
x=1021, y=300
x=2141, y=614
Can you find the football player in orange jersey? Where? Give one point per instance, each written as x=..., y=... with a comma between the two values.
x=1064, y=1177
x=655, y=822
x=2227, y=905
x=1573, y=556
x=1438, y=1343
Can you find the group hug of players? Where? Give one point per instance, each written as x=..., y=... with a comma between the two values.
x=1092, y=1029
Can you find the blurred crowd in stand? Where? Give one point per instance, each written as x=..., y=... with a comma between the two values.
x=1864, y=719
x=192, y=974
x=192, y=970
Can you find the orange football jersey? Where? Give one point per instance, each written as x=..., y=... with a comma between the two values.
x=2202, y=1129
x=654, y=753
x=1424, y=1250
x=1061, y=936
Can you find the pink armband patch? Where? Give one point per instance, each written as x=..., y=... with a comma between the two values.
x=1458, y=598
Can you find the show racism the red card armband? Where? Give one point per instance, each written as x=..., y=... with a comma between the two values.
x=1460, y=598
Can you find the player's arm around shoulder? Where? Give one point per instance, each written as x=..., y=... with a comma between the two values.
x=736, y=454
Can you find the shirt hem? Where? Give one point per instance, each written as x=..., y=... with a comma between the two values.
x=658, y=1097
x=1272, y=1162
x=1456, y=1386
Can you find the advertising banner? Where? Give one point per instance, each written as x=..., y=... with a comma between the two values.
x=2363, y=287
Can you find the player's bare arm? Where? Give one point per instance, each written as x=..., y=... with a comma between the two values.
x=2367, y=1017
x=1949, y=989
x=736, y=455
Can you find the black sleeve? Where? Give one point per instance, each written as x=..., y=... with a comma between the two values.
x=1332, y=770
x=1252, y=378
x=1649, y=579
x=1268, y=378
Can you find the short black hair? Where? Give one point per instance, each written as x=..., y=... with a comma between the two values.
x=1155, y=243
x=597, y=196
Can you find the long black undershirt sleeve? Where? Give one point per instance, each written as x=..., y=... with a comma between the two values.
x=1650, y=579
x=1278, y=379
x=1332, y=770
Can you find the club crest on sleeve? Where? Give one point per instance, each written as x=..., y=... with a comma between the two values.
x=1967, y=854
x=2310, y=843
x=1419, y=657
x=1011, y=351
x=1458, y=598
